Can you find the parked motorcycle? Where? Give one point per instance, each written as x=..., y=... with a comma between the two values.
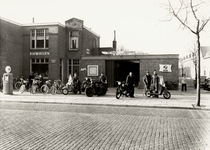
x=96, y=88
x=122, y=89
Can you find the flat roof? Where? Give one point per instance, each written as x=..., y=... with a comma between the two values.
x=130, y=57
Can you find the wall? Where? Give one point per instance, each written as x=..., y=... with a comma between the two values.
x=84, y=64
x=153, y=64
x=10, y=47
x=56, y=49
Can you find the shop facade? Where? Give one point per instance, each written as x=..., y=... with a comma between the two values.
x=118, y=67
x=55, y=51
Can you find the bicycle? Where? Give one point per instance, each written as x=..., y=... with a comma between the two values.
x=24, y=85
x=36, y=86
x=46, y=87
x=56, y=87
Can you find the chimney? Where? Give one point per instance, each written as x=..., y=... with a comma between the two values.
x=114, y=43
x=33, y=20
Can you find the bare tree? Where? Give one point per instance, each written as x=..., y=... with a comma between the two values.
x=191, y=15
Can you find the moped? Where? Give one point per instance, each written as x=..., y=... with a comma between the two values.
x=166, y=94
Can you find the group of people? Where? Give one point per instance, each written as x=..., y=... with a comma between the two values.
x=152, y=82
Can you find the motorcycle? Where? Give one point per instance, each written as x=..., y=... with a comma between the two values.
x=166, y=94
x=96, y=88
x=122, y=89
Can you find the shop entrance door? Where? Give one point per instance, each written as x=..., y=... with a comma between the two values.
x=118, y=70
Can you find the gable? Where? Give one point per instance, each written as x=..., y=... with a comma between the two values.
x=74, y=23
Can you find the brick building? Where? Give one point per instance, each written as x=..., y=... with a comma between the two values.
x=55, y=51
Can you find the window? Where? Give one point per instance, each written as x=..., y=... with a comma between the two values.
x=92, y=70
x=73, y=40
x=39, y=38
x=40, y=66
x=73, y=66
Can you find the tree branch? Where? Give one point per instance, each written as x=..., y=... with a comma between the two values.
x=178, y=18
x=193, y=11
x=204, y=24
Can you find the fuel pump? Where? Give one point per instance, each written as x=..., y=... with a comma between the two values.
x=7, y=81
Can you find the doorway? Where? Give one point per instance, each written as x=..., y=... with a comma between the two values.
x=118, y=70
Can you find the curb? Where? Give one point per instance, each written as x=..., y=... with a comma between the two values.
x=113, y=105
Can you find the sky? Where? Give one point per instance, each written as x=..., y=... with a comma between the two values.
x=140, y=25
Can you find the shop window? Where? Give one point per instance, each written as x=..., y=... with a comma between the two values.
x=73, y=66
x=40, y=66
x=39, y=39
x=73, y=40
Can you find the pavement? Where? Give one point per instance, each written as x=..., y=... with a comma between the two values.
x=178, y=100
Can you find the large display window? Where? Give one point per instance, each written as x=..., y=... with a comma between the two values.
x=40, y=66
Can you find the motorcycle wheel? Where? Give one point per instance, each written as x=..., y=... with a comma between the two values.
x=147, y=93
x=17, y=85
x=44, y=89
x=118, y=94
x=167, y=95
x=89, y=91
x=65, y=91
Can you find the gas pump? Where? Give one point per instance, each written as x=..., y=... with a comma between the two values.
x=7, y=81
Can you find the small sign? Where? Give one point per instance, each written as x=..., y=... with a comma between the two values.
x=88, y=51
x=165, y=68
x=53, y=61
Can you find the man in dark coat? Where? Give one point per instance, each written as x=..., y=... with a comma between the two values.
x=130, y=81
x=155, y=82
x=147, y=81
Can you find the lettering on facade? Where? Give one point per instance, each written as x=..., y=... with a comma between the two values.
x=165, y=68
x=83, y=69
x=39, y=53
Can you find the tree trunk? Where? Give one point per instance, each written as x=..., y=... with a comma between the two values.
x=198, y=69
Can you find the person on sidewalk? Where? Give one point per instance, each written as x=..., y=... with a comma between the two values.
x=155, y=82
x=147, y=81
x=184, y=83
x=130, y=81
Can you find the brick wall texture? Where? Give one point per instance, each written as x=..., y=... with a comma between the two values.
x=10, y=47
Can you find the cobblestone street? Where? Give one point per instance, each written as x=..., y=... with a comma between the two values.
x=65, y=127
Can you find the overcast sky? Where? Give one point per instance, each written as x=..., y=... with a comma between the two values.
x=140, y=24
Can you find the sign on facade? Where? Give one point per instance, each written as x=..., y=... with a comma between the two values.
x=165, y=68
x=39, y=53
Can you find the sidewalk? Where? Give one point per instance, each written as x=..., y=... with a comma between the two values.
x=181, y=100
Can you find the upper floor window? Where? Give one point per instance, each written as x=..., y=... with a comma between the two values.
x=39, y=38
x=73, y=40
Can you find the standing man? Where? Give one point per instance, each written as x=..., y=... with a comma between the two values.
x=76, y=82
x=147, y=81
x=130, y=81
x=184, y=83
x=103, y=78
x=31, y=77
x=155, y=82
